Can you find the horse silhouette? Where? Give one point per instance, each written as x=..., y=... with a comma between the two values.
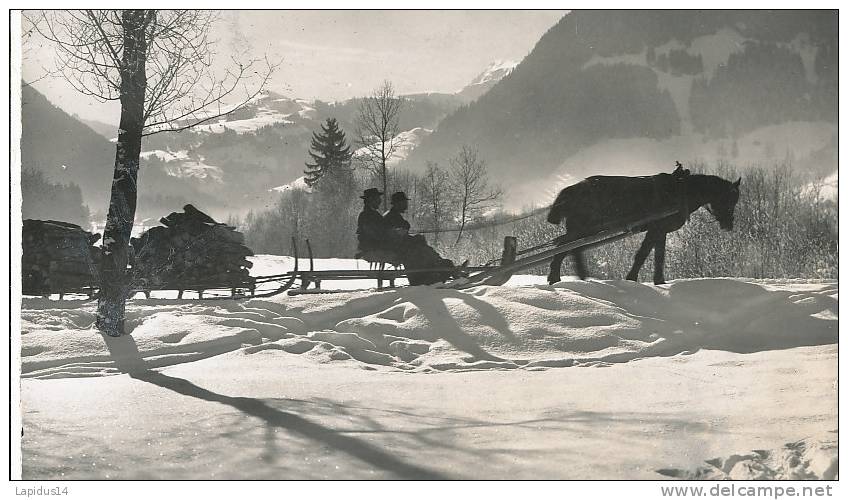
x=603, y=202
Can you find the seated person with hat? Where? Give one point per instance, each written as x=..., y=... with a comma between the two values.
x=413, y=250
x=394, y=217
x=372, y=231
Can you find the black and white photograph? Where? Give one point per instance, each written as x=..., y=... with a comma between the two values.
x=424, y=245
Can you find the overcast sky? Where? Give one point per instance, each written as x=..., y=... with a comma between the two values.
x=334, y=55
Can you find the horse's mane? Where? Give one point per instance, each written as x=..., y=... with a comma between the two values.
x=709, y=183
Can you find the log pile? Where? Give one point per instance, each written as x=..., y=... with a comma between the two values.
x=190, y=251
x=58, y=257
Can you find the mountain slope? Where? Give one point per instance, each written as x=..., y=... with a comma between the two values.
x=226, y=166
x=70, y=152
x=107, y=130
x=481, y=84
x=237, y=160
x=651, y=75
x=65, y=149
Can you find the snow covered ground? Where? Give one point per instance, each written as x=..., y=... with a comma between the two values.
x=702, y=378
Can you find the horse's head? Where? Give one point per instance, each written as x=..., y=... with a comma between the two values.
x=724, y=203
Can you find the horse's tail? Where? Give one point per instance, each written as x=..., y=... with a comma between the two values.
x=561, y=207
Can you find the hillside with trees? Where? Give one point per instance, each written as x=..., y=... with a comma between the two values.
x=64, y=149
x=605, y=75
x=46, y=200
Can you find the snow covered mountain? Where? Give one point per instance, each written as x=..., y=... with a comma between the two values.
x=741, y=86
x=261, y=148
x=226, y=166
x=245, y=158
x=265, y=110
x=299, y=183
x=494, y=73
x=405, y=143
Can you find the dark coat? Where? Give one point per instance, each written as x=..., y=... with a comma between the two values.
x=395, y=220
x=371, y=230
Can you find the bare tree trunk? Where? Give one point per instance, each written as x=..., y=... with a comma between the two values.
x=104, y=54
x=436, y=220
x=377, y=128
x=469, y=172
x=115, y=281
x=384, y=173
x=462, y=219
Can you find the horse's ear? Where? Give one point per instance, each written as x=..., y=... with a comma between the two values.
x=736, y=184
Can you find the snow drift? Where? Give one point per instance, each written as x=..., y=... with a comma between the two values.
x=431, y=329
x=810, y=458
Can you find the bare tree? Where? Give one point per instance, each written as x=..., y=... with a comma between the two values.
x=470, y=184
x=435, y=195
x=377, y=131
x=158, y=65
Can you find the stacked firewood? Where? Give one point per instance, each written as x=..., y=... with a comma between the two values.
x=58, y=257
x=190, y=250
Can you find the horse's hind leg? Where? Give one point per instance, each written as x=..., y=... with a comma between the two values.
x=641, y=255
x=580, y=264
x=659, y=259
x=556, y=266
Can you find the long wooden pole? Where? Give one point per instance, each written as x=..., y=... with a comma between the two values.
x=536, y=259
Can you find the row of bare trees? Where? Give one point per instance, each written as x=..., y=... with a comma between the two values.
x=456, y=195
x=786, y=226
x=443, y=201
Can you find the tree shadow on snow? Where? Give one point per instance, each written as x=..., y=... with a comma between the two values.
x=128, y=359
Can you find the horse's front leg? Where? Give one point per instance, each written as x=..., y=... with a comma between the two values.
x=659, y=259
x=641, y=255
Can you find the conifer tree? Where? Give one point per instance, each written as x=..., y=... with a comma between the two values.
x=329, y=151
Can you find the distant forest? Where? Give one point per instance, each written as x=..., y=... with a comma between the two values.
x=47, y=200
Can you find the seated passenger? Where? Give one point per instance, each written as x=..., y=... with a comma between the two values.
x=413, y=250
x=371, y=229
x=396, y=224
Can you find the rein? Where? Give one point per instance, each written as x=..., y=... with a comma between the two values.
x=481, y=225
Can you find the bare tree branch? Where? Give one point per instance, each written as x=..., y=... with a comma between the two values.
x=470, y=182
x=96, y=21
x=182, y=89
x=196, y=111
x=377, y=131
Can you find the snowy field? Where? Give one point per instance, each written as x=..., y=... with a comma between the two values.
x=702, y=378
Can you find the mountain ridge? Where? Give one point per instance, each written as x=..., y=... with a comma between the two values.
x=226, y=166
x=599, y=76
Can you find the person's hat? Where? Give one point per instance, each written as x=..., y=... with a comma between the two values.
x=399, y=196
x=371, y=193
